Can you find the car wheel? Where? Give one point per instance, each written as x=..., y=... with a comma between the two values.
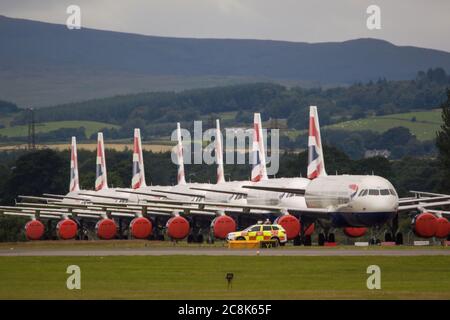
x=240, y=239
x=277, y=241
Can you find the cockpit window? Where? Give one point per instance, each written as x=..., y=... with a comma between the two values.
x=393, y=192
x=374, y=192
x=363, y=193
x=384, y=192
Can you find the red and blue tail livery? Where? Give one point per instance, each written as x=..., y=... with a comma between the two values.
x=219, y=154
x=316, y=163
x=138, y=177
x=74, y=180
x=100, y=169
x=259, y=154
x=180, y=176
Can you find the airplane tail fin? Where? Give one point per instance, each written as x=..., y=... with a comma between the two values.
x=259, y=171
x=74, y=180
x=101, y=181
x=316, y=163
x=219, y=154
x=138, y=178
x=180, y=176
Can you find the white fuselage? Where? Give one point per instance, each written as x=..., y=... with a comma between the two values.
x=353, y=200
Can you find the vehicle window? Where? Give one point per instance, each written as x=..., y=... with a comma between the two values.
x=275, y=228
x=363, y=193
x=374, y=192
x=392, y=192
x=255, y=228
x=267, y=228
x=384, y=192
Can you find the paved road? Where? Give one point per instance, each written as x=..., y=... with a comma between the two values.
x=221, y=252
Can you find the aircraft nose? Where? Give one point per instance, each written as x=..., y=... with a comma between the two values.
x=383, y=204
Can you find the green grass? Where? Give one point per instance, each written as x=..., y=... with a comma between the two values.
x=145, y=244
x=424, y=128
x=90, y=126
x=203, y=277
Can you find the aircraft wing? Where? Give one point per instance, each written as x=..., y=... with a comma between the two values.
x=125, y=208
x=102, y=196
x=42, y=199
x=277, y=189
x=186, y=194
x=419, y=193
x=444, y=213
x=47, y=213
x=419, y=205
x=232, y=207
x=427, y=199
x=156, y=195
x=29, y=215
x=220, y=191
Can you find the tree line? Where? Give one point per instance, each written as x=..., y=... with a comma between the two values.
x=156, y=112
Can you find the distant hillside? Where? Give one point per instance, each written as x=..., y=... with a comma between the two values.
x=423, y=124
x=43, y=64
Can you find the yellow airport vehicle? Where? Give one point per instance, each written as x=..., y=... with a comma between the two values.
x=260, y=232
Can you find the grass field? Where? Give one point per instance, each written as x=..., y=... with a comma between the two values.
x=424, y=128
x=90, y=126
x=203, y=277
x=136, y=244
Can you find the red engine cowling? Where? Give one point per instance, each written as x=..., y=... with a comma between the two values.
x=425, y=225
x=177, y=228
x=291, y=224
x=141, y=228
x=106, y=229
x=442, y=228
x=354, y=232
x=222, y=226
x=34, y=230
x=66, y=229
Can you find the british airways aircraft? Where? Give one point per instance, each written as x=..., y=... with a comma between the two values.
x=349, y=201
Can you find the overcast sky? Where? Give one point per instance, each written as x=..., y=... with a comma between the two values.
x=423, y=23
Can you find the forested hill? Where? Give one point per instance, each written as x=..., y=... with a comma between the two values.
x=50, y=53
x=156, y=113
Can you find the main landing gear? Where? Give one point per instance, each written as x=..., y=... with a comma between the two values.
x=394, y=235
x=326, y=237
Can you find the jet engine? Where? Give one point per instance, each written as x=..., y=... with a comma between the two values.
x=222, y=226
x=354, y=232
x=292, y=225
x=106, y=229
x=66, y=229
x=141, y=228
x=177, y=228
x=442, y=228
x=425, y=225
x=34, y=230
